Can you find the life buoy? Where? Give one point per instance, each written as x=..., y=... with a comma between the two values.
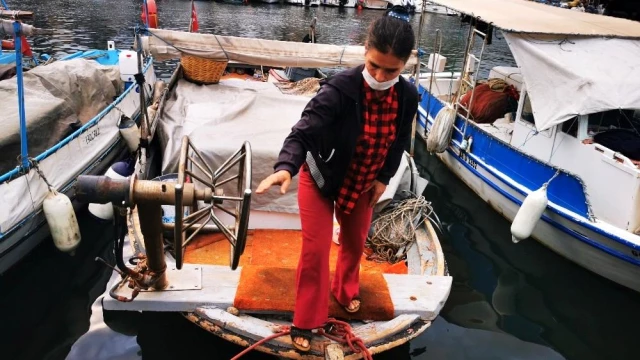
x=8, y=45
x=152, y=9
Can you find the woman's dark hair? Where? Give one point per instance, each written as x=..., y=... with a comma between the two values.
x=392, y=33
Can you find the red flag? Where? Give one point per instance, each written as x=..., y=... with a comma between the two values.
x=193, y=26
x=26, y=49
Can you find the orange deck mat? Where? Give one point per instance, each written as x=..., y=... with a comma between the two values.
x=267, y=281
x=270, y=290
x=276, y=248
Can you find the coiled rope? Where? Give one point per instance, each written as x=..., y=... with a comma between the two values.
x=394, y=231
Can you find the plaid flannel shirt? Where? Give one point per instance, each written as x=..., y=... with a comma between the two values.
x=372, y=146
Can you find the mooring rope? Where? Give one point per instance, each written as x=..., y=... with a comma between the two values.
x=394, y=231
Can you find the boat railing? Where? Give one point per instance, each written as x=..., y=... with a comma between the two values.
x=468, y=78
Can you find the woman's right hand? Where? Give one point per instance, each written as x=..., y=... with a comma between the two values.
x=282, y=178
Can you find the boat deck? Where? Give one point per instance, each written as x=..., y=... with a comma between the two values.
x=206, y=280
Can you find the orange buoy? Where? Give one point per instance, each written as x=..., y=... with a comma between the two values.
x=8, y=45
x=152, y=9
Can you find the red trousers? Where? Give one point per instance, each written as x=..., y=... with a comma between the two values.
x=312, y=279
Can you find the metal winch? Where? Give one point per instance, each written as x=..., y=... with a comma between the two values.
x=196, y=184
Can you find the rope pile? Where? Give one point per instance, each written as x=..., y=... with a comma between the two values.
x=393, y=232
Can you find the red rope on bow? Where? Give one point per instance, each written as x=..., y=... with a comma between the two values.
x=286, y=331
x=341, y=332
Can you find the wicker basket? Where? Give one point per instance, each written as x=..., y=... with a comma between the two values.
x=201, y=70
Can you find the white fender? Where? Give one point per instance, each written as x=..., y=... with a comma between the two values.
x=440, y=133
x=62, y=221
x=529, y=214
x=130, y=132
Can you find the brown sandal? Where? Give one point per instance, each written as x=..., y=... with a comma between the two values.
x=357, y=308
x=300, y=333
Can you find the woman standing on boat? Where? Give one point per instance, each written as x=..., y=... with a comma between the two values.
x=346, y=146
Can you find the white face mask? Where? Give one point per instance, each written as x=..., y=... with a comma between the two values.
x=375, y=84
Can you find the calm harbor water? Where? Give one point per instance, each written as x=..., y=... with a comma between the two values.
x=507, y=302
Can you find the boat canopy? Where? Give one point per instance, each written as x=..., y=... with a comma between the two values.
x=572, y=63
x=169, y=44
x=566, y=76
x=520, y=16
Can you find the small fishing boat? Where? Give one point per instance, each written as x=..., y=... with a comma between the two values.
x=339, y=3
x=54, y=133
x=375, y=4
x=431, y=7
x=549, y=144
x=205, y=247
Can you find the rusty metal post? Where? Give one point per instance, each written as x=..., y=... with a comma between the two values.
x=151, y=226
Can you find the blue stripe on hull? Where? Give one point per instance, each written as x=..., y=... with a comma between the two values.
x=566, y=190
x=545, y=218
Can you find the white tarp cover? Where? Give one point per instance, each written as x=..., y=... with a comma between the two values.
x=24, y=195
x=169, y=44
x=219, y=118
x=569, y=76
x=59, y=98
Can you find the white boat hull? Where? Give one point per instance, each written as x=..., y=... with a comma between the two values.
x=500, y=196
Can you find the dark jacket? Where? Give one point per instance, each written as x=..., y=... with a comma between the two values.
x=327, y=132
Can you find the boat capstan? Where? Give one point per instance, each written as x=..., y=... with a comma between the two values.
x=150, y=271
